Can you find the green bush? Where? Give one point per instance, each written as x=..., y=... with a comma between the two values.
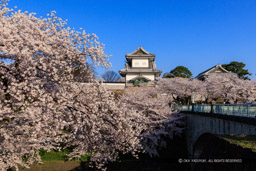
x=54, y=155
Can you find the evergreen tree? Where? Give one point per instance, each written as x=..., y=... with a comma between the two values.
x=238, y=68
x=179, y=71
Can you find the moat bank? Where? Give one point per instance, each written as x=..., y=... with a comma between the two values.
x=169, y=159
x=229, y=157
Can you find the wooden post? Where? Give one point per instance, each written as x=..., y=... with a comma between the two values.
x=212, y=110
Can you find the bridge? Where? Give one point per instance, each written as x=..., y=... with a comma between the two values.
x=203, y=121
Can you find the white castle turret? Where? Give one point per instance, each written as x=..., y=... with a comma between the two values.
x=140, y=67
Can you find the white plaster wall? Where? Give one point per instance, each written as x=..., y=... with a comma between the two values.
x=151, y=77
x=112, y=84
x=129, y=77
x=117, y=86
x=140, y=63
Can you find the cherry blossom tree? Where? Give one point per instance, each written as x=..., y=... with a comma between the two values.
x=227, y=87
x=43, y=107
x=84, y=73
x=37, y=89
x=180, y=89
x=151, y=115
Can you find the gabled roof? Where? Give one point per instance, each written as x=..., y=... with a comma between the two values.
x=140, y=52
x=212, y=70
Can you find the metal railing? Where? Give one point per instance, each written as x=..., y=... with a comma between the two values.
x=244, y=110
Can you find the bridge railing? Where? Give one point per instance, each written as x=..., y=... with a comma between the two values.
x=244, y=110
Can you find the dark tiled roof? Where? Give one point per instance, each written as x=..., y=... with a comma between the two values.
x=212, y=68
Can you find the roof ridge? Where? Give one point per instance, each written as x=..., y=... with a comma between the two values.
x=208, y=70
x=140, y=48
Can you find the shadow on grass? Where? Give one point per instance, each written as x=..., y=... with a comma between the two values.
x=246, y=141
x=221, y=150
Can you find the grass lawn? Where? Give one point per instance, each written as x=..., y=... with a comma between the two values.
x=60, y=156
x=57, y=161
x=245, y=141
x=53, y=166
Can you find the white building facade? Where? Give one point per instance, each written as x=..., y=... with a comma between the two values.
x=140, y=68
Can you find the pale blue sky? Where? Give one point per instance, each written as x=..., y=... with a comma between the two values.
x=197, y=34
